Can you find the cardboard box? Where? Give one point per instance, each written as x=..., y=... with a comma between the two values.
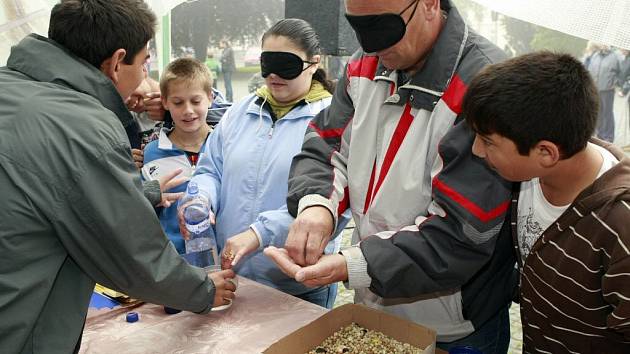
x=314, y=333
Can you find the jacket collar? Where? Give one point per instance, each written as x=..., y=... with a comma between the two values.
x=164, y=142
x=303, y=109
x=430, y=82
x=46, y=61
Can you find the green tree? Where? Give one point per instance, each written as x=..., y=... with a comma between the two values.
x=557, y=41
x=201, y=23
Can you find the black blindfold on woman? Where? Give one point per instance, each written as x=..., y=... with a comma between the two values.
x=284, y=64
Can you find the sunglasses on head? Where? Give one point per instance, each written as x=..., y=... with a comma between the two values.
x=284, y=64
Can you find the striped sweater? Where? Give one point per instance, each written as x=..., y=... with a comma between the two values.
x=575, y=283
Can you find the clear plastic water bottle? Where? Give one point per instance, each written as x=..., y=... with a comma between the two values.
x=201, y=249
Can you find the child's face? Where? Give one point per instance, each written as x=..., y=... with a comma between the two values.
x=501, y=155
x=188, y=104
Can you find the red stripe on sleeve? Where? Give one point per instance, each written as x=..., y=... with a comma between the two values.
x=327, y=133
x=343, y=205
x=472, y=208
x=363, y=67
x=454, y=94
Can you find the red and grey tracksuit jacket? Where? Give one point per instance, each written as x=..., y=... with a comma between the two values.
x=395, y=148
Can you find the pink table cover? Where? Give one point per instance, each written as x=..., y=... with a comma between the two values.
x=259, y=316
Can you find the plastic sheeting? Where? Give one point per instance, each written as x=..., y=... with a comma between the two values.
x=19, y=18
x=162, y=7
x=603, y=21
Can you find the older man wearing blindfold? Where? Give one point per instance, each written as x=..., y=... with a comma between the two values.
x=394, y=149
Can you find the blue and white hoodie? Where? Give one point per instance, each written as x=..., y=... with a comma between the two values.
x=161, y=157
x=244, y=171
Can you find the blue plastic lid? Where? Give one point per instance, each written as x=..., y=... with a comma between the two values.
x=132, y=317
x=464, y=349
x=192, y=188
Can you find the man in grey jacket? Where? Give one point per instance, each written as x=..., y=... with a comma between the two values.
x=73, y=211
x=603, y=65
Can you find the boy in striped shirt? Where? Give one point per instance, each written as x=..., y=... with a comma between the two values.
x=534, y=117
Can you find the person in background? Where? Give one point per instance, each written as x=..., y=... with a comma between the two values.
x=603, y=65
x=393, y=148
x=186, y=91
x=571, y=208
x=213, y=65
x=228, y=66
x=73, y=211
x=245, y=165
x=624, y=78
x=146, y=109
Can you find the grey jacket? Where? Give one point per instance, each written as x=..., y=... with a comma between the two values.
x=73, y=212
x=604, y=68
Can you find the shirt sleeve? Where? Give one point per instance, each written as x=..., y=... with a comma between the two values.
x=318, y=174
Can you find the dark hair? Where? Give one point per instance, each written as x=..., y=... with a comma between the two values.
x=188, y=70
x=94, y=29
x=302, y=34
x=534, y=97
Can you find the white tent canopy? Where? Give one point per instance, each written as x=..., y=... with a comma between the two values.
x=603, y=21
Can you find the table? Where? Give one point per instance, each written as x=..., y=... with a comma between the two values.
x=259, y=316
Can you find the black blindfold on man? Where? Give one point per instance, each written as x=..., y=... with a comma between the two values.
x=379, y=32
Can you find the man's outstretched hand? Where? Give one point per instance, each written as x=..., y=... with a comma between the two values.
x=328, y=269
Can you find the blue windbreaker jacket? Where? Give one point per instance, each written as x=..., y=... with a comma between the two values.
x=244, y=171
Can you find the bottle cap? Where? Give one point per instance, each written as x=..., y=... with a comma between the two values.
x=192, y=188
x=132, y=317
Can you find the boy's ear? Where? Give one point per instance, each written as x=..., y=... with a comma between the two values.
x=111, y=66
x=163, y=99
x=547, y=152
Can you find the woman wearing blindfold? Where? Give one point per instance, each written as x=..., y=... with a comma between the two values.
x=245, y=167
